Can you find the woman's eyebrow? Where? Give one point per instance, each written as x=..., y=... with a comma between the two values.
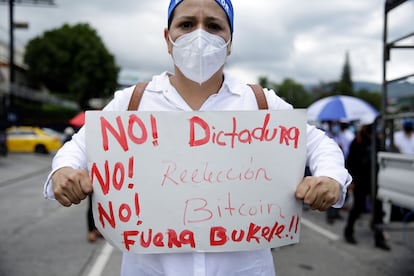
x=186, y=17
x=215, y=18
x=193, y=17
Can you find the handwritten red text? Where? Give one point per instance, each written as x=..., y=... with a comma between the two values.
x=137, y=132
x=207, y=174
x=209, y=134
x=198, y=210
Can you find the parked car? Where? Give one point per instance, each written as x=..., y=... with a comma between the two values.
x=31, y=139
x=53, y=132
x=3, y=143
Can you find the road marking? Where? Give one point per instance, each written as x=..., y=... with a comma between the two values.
x=320, y=230
x=101, y=261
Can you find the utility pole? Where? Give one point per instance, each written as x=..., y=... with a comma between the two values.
x=8, y=102
x=12, y=26
x=11, y=41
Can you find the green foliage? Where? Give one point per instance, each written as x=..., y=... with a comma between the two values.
x=72, y=61
x=373, y=98
x=31, y=113
x=294, y=93
x=324, y=89
x=345, y=86
x=289, y=90
x=264, y=82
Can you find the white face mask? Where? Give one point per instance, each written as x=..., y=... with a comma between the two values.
x=199, y=54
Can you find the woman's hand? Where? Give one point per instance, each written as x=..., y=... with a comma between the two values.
x=71, y=186
x=320, y=193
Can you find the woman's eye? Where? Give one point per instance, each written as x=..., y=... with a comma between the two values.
x=214, y=27
x=186, y=25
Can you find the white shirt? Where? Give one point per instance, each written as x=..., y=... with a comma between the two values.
x=324, y=158
x=404, y=143
x=344, y=139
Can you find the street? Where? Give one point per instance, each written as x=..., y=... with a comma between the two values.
x=40, y=237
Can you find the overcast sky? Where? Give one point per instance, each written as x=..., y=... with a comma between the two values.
x=305, y=40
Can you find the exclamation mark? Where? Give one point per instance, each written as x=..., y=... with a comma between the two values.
x=137, y=208
x=293, y=222
x=131, y=171
x=297, y=225
x=154, y=131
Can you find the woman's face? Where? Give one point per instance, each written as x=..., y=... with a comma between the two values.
x=194, y=14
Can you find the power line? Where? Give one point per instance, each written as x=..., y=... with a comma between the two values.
x=12, y=26
x=4, y=30
x=29, y=2
x=11, y=3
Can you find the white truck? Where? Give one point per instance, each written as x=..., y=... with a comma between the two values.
x=395, y=181
x=395, y=178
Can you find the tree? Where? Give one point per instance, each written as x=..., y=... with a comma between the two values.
x=373, y=98
x=345, y=85
x=289, y=90
x=264, y=82
x=72, y=61
x=342, y=87
x=294, y=93
x=324, y=89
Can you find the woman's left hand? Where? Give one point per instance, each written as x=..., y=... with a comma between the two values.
x=320, y=193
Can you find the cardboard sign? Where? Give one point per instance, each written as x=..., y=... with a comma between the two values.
x=196, y=181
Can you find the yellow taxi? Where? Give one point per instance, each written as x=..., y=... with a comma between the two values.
x=31, y=139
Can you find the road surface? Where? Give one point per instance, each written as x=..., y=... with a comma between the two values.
x=40, y=237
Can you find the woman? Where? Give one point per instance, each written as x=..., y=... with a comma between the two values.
x=199, y=39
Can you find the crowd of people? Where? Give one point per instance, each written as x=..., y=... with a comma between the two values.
x=356, y=141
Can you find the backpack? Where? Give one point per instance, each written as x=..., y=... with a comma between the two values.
x=140, y=88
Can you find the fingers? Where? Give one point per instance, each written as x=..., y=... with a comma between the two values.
x=303, y=189
x=71, y=186
x=82, y=186
x=320, y=193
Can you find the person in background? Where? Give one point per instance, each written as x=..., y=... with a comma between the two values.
x=344, y=137
x=340, y=133
x=403, y=143
x=199, y=38
x=93, y=232
x=359, y=165
x=404, y=139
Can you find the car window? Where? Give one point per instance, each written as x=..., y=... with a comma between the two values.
x=52, y=132
x=20, y=132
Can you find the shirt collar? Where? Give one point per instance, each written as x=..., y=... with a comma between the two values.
x=230, y=85
x=159, y=82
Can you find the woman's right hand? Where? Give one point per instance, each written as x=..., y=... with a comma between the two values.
x=71, y=186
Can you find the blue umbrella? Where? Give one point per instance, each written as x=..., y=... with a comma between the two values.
x=340, y=108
